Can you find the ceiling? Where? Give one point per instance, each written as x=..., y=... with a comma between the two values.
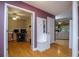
x=53, y=7
x=13, y=12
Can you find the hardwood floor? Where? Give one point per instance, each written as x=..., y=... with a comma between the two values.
x=23, y=49
x=63, y=42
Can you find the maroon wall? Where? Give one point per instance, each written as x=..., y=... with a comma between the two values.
x=1, y=28
x=37, y=11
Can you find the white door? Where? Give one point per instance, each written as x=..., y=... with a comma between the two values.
x=42, y=41
x=51, y=29
x=39, y=28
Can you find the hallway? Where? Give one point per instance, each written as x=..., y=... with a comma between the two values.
x=23, y=49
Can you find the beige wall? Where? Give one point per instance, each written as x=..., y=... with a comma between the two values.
x=19, y=23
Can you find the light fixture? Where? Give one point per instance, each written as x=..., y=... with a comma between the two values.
x=59, y=23
x=14, y=18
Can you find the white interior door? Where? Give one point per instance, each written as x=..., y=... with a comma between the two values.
x=39, y=28
x=51, y=29
x=42, y=40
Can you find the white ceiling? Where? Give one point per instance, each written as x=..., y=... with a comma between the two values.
x=53, y=7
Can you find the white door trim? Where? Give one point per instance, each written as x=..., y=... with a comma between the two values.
x=6, y=26
x=70, y=34
x=75, y=29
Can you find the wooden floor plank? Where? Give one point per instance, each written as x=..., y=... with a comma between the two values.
x=23, y=49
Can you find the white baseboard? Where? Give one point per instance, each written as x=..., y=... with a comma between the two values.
x=34, y=49
x=6, y=53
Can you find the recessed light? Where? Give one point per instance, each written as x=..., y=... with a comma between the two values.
x=14, y=18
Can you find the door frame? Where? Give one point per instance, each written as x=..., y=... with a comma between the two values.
x=6, y=26
x=70, y=34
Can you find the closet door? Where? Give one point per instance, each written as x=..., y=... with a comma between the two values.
x=41, y=28
x=42, y=41
x=51, y=29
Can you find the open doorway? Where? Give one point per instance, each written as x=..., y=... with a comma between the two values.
x=19, y=30
x=62, y=32
x=62, y=43
x=19, y=24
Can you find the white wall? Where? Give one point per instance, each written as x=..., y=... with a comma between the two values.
x=62, y=35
